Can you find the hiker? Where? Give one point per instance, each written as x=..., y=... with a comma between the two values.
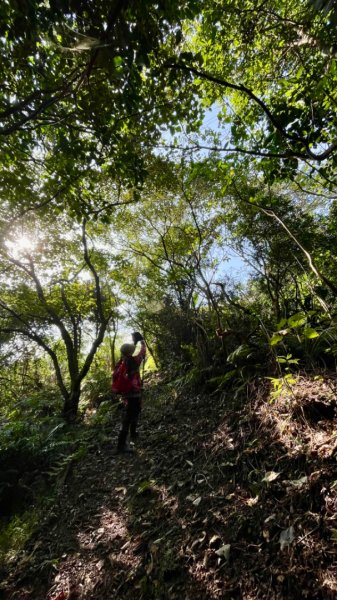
x=127, y=382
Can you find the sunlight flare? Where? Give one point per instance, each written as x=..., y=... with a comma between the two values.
x=20, y=245
x=25, y=243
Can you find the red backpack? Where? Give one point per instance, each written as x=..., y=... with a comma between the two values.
x=121, y=383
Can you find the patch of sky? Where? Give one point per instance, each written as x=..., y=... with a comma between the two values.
x=232, y=265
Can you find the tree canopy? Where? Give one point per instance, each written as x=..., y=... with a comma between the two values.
x=169, y=167
x=83, y=91
x=172, y=133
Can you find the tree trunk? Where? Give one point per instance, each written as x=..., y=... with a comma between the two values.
x=112, y=344
x=70, y=406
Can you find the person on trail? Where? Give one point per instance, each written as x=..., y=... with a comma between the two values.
x=131, y=389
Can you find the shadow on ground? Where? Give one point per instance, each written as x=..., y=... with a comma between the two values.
x=223, y=499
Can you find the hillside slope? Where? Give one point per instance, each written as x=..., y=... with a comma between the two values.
x=223, y=498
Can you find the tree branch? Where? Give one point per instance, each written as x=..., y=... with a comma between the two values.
x=26, y=332
x=271, y=117
x=87, y=259
x=311, y=262
x=71, y=351
x=63, y=93
x=288, y=154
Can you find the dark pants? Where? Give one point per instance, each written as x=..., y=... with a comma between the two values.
x=130, y=420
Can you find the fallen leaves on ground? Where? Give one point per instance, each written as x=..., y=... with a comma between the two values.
x=235, y=501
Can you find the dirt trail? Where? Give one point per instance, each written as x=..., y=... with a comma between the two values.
x=220, y=500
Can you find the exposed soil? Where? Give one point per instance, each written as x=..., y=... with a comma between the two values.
x=222, y=499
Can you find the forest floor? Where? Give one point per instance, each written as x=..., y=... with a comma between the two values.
x=222, y=498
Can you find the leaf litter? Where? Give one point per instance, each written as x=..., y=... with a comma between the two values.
x=260, y=523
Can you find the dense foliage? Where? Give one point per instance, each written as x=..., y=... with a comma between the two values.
x=144, y=145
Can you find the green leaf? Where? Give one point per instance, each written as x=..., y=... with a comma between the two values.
x=310, y=333
x=118, y=61
x=297, y=320
x=222, y=379
x=241, y=352
x=276, y=338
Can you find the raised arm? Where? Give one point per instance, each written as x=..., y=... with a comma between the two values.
x=137, y=337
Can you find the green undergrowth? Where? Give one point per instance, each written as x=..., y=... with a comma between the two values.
x=38, y=453
x=16, y=532
x=219, y=481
